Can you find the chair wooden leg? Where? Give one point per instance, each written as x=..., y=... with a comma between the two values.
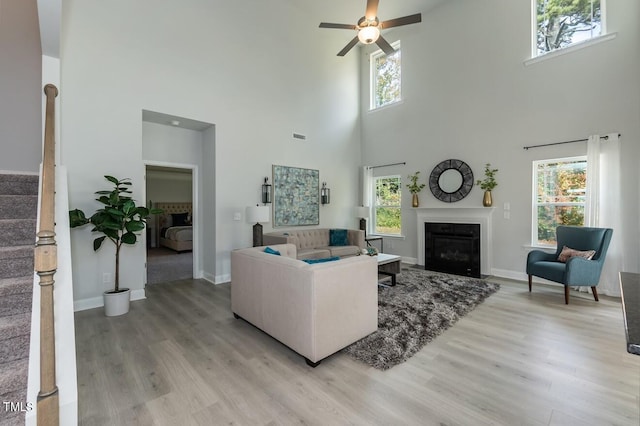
x=595, y=292
x=566, y=294
x=529, y=283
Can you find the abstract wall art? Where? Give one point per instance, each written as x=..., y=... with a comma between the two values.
x=295, y=196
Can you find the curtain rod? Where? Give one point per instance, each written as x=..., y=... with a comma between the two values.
x=562, y=143
x=387, y=165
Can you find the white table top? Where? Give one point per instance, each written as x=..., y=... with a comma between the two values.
x=387, y=258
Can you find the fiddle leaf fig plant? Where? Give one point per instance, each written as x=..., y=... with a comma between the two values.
x=119, y=220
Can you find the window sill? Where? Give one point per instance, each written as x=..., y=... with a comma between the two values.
x=572, y=48
x=390, y=236
x=550, y=249
x=385, y=107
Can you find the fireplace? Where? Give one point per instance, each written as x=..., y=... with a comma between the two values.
x=453, y=248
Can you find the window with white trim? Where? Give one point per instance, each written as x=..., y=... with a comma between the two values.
x=562, y=23
x=386, y=83
x=387, y=212
x=559, y=196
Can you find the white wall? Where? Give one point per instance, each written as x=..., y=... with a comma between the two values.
x=20, y=88
x=194, y=59
x=468, y=95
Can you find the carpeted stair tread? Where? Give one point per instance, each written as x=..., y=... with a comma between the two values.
x=13, y=418
x=11, y=184
x=15, y=285
x=14, y=304
x=18, y=206
x=15, y=325
x=13, y=375
x=16, y=261
x=17, y=232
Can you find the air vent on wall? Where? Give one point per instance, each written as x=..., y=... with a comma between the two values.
x=299, y=136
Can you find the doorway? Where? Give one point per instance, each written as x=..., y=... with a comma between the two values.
x=170, y=234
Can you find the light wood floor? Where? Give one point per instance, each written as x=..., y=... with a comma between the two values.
x=180, y=358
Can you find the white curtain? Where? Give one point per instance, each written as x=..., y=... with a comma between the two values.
x=603, y=203
x=367, y=186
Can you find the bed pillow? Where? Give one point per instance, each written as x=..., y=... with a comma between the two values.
x=567, y=253
x=338, y=237
x=180, y=219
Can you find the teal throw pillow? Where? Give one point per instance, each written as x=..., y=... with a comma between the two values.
x=338, y=237
x=323, y=260
x=271, y=251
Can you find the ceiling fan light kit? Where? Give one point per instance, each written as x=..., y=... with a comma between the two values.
x=369, y=27
x=368, y=35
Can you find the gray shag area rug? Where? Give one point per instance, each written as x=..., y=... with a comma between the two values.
x=421, y=306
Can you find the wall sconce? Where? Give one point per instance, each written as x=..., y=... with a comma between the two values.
x=325, y=194
x=266, y=191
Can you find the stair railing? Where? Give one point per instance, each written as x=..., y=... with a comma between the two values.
x=46, y=263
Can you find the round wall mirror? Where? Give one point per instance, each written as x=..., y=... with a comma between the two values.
x=451, y=180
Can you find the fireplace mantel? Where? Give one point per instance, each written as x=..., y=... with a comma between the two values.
x=480, y=215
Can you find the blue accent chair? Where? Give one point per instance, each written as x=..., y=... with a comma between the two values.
x=577, y=271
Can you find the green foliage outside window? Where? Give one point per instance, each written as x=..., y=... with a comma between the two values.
x=386, y=75
x=561, y=196
x=561, y=23
x=387, y=210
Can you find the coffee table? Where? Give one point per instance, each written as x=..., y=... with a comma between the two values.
x=389, y=264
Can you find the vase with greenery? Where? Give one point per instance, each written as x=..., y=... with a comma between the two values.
x=415, y=188
x=488, y=184
x=119, y=220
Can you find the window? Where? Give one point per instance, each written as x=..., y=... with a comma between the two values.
x=559, y=192
x=385, y=77
x=387, y=198
x=561, y=23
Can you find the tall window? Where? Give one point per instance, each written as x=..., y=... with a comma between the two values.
x=559, y=195
x=387, y=205
x=561, y=23
x=385, y=77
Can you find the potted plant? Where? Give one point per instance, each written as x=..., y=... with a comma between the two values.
x=119, y=220
x=487, y=184
x=414, y=188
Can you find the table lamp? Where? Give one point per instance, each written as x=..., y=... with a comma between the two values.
x=256, y=214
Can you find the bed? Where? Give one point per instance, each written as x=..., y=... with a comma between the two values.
x=174, y=226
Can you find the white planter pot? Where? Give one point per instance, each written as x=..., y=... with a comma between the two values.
x=116, y=303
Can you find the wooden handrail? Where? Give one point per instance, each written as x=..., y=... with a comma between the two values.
x=46, y=263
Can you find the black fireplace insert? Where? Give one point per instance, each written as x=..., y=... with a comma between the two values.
x=453, y=248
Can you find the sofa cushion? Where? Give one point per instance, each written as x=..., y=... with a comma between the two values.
x=322, y=260
x=344, y=251
x=271, y=251
x=313, y=253
x=338, y=237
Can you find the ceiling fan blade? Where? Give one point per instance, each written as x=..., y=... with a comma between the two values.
x=338, y=26
x=372, y=9
x=405, y=20
x=385, y=46
x=349, y=46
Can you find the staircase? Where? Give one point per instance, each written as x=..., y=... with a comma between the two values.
x=18, y=210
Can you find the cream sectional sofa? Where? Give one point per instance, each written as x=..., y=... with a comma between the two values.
x=315, y=243
x=314, y=309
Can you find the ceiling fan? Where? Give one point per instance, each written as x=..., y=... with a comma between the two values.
x=369, y=27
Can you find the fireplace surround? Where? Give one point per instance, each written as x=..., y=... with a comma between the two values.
x=479, y=215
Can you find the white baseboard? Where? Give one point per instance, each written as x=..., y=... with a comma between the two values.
x=221, y=279
x=97, y=302
x=409, y=260
x=521, y=276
